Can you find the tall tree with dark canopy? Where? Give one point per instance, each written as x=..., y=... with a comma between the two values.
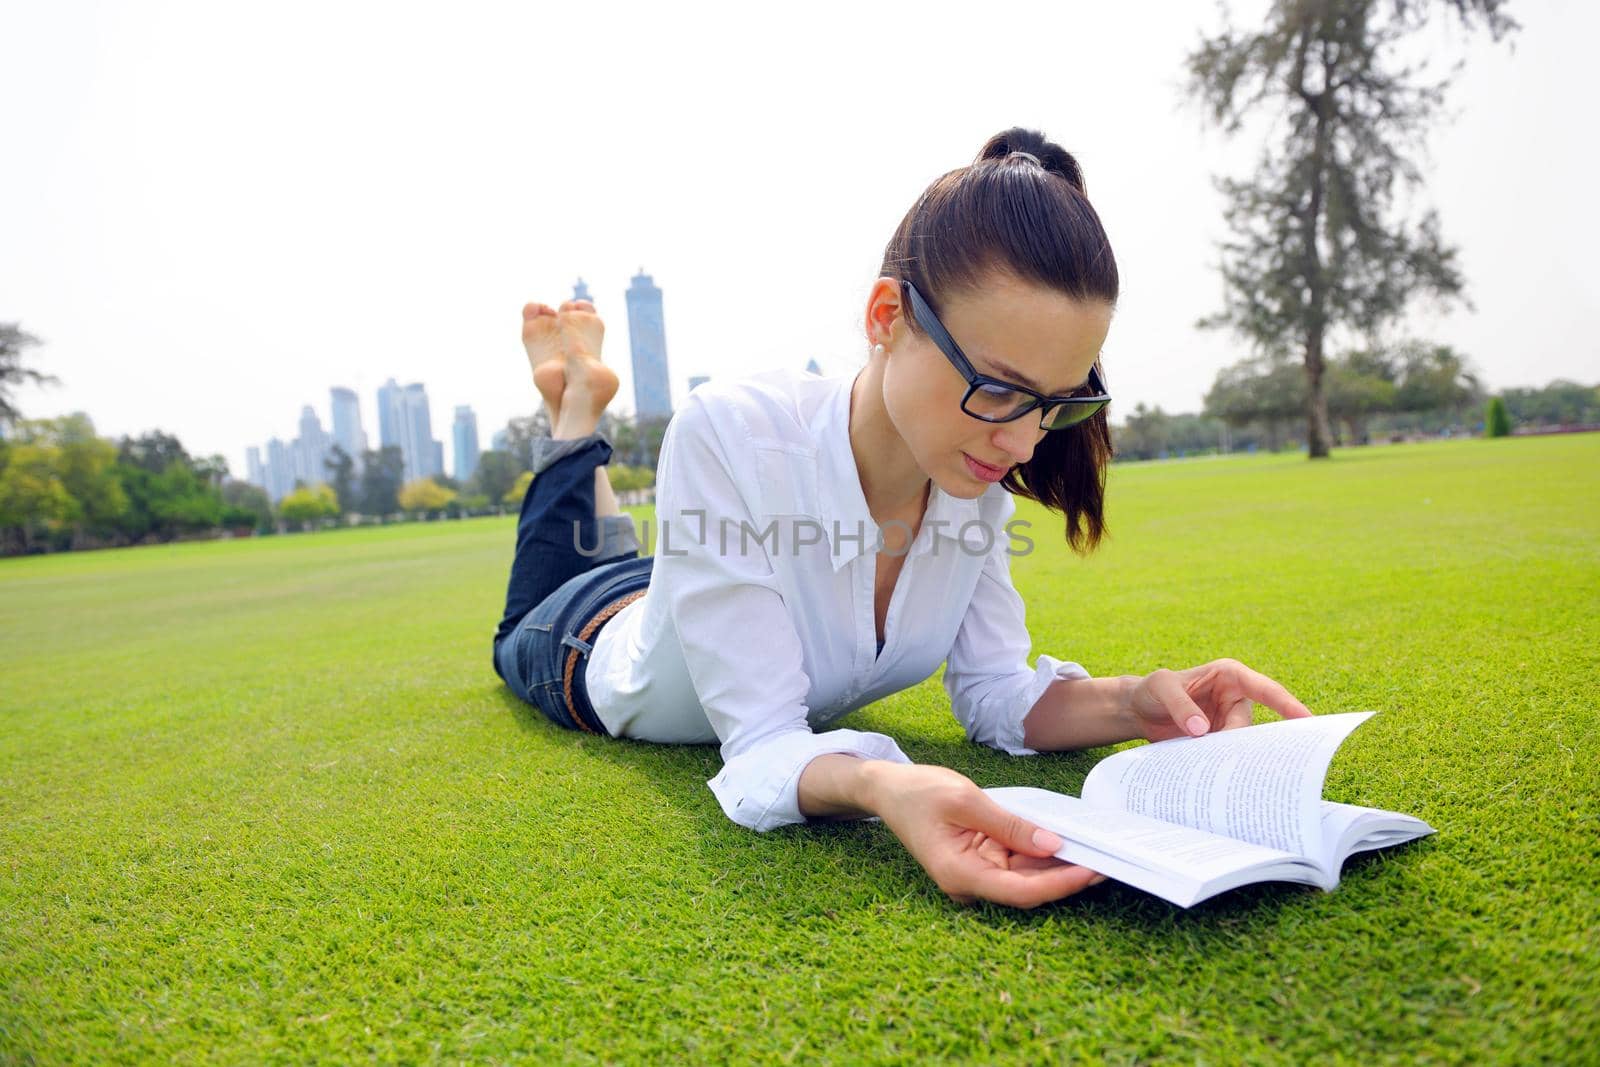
x=13, y=340
x=341, y=468
x=382, y=472
x=1317, y=244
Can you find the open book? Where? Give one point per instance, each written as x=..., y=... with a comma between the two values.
x=1189, y=818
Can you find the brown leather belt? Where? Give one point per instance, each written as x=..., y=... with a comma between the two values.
x=587, y=636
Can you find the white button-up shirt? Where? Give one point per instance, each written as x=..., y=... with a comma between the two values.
x=757, y=630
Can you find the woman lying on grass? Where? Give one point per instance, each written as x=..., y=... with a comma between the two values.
x=825, y=542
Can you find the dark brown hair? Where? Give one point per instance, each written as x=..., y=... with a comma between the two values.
x=1003, y=213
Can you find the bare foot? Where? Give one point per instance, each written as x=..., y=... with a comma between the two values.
x=582, y=331
x=541, y=336
x=590, y=384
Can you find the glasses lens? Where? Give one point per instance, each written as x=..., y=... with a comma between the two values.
x=1064, y=415
x=996, y=404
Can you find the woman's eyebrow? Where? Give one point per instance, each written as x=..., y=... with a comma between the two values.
x=1022, y=379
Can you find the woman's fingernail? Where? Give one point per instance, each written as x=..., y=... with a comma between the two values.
x=1196, y=725
x=1046, y=839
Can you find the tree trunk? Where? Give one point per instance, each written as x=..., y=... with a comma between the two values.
x=1318, y=435
x=1321, y=103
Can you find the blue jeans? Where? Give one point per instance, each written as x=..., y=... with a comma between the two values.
x=569, y=568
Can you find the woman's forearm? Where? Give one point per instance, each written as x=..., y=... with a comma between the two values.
x=838, y=785
x=1082, y=713
x=1070, y=714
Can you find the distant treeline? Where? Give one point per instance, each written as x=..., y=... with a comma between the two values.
x=63, y=487
x=1412, y=389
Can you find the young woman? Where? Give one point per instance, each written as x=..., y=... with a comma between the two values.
x=824, y=542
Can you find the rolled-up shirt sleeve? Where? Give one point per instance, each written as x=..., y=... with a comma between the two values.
x=986, y=674
x=742, y=651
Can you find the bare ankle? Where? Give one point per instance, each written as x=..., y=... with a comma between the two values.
x=574, y=425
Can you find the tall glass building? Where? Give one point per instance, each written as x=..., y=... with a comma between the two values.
x=424, y=455
x=464, y=434
x=347, y=431
x=403, y=420
x=311, y=448
x=391, y=413
x=280, y=470
x=647, y=334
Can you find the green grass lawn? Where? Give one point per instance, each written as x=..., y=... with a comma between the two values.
x=266, y=800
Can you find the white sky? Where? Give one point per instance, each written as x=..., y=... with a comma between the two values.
x=213, y=212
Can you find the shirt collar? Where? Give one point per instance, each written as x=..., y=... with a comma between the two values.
x=840, y=490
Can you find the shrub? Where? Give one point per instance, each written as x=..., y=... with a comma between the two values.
x=1496, y=422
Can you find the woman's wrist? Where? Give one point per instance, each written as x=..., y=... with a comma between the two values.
x=1079, y=713
x=838, y=785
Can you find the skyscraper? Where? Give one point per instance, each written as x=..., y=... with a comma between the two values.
x=310, y=448
x=581, y=292
x=391, y=413
x=464, y=434
x=280, y=470
x=422, y=452
x=255, y=472
x=812, y=368
x=697, y=379
x=403, y=421
x=647, y=334
x=347, y=431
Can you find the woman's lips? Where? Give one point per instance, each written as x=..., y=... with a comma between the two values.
x=982, y=471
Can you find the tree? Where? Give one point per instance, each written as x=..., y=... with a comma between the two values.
x=86, y=464
x=341, y=468
x=1561, y=403
x=1268, y=390
x=154, y=451
x=520, y=435
x=625, y=478
x=425, y=495
x=518, y=490
x=495, y=474
x=1435, y=378
x=309, y=504
x=213, y=470
x=13, y=341
x=1359, y=385
x=652, y=431
x=1144, y=432
x=1496, y=423
x=381, y=474
x=32, y=495
x=183, y=502
x=1316, y=244
x=242, y=498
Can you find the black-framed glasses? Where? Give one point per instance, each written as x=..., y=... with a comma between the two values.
x=993, y=400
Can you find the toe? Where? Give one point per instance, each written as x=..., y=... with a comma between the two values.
x=534, y=310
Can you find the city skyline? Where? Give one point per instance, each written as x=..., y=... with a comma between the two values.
x=405, y=421
x=405, y=416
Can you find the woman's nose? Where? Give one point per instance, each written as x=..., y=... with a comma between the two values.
x=1018, y=438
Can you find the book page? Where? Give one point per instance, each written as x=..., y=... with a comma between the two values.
x=1351, y=828
x=1261, y=784
x=1173, y=862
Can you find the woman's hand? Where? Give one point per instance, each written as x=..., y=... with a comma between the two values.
x=968, y=844
x=1218, y=695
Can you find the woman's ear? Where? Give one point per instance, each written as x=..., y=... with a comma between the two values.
x=883, y=308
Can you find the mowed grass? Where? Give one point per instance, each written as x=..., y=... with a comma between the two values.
x=266, y=801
